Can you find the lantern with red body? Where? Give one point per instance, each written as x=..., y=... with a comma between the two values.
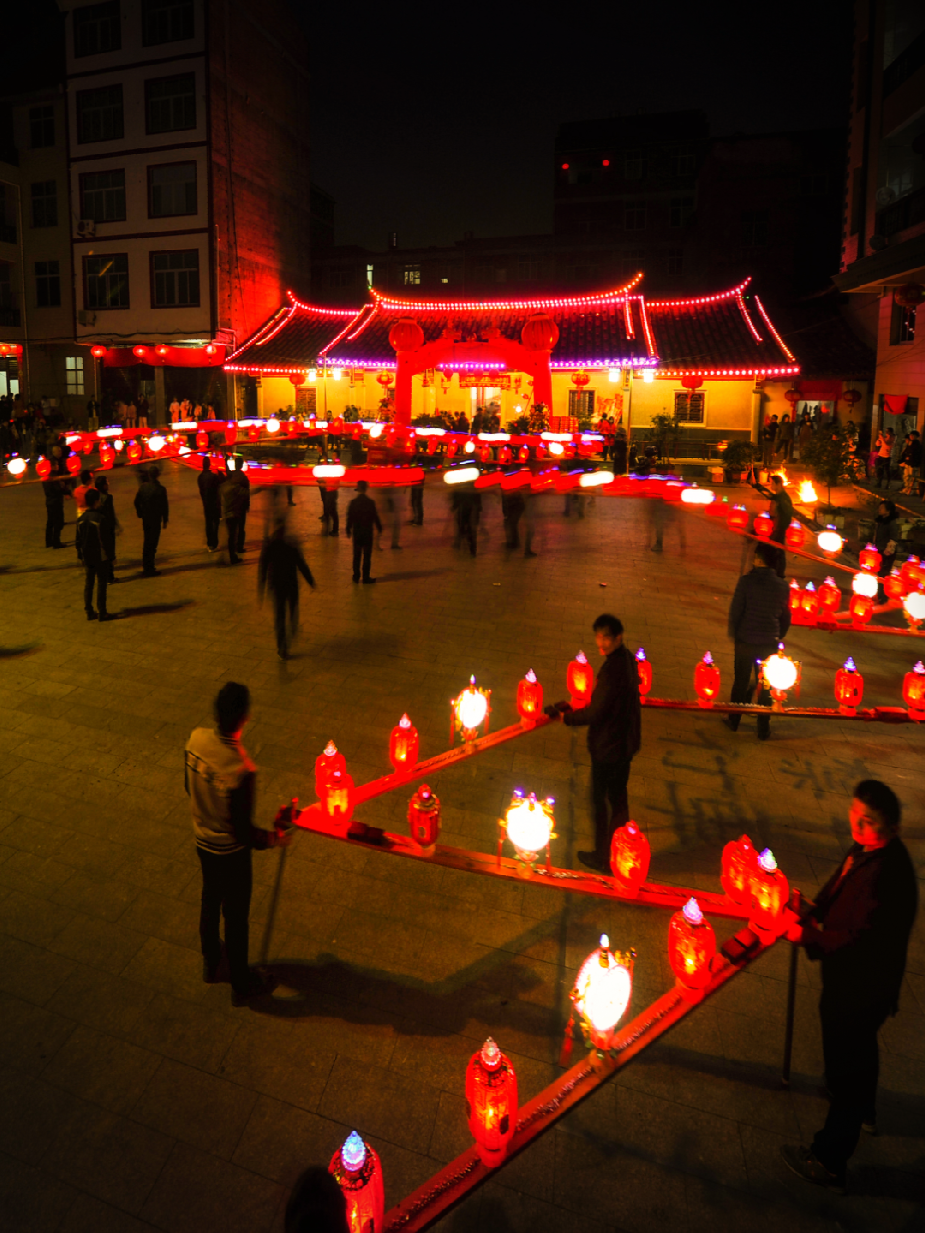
x=763, y=526
x=780, y=673
x=861, y=609
x=529, y=697
x=162, y=350
x=602, y=992
x=432, y=446
x=424, y=819
x=337, y=796
x=644, y=672
x=140, y=352
x=107, y=455
x=580, y=681
x=580, y=380
x=485, y=453
x=43, y=468
x=539, y=333
x=327, y=762
x=893, y=585
x=630, y=855
x=851, y=397
x=738, y=518
x=795, y=598
x=912, y=573
x=914, y=692
x=297, y=378
x=253, y=432
x=810, y=603
x=849, y=687
x=740, y=860
x=133, y=451
x=691, y=946
x=73, y=463
x=829, y=599
x=87, y=445
x=706, y=680
x=523, y=454
x=793, y=396
x=403, y=745
x=504, y=454
x=869, y=558
x=452, y=449
x=914, y=606
x=231, y=432
x=358, y=1171
x=470, y=710
x=769, y=893
x=385, y=380
x=491, y=1102
x=202, y=440
x=795, y=535
x=97, y=352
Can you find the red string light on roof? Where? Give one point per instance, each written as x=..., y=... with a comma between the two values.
x=370, y=311
x=740, y=300
x=777, y=338
x=442, y=306
x=727, y=372
x=644, y=317
x=261, y=342
x=703, y=299
x=349, y=326
x=285, y=311
x=323, y=312
x=628, y=319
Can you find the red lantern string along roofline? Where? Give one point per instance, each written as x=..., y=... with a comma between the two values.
x=702, y=299
x=347, y=328
x=577, y=301
x=740, y=300
x=265, y=338
x=727, y=372
x=325, y=312
x=768, y=322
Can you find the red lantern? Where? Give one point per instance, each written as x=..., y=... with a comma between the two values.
x=43, y=468
x=644, y=672
x=869, y=558
x=539, y=333
x=107, y=455
x=432, y=446
x=87, y=445
x=253, y=432
x=491, y=1103
x=97, y=352
x=523, y=454
x=795, y=535
x=769, y=893
x=849, y=688
x=202, y=440
x=763, y=526
x=706, y=680
x=385, y=379
x=894, y=586
x=337, y=797
x=424, y=819
x=738, y=518
x=691, y=946
x=909, y=295
x=740, y=860
x=297, y=378
x=73, y=464
x=451, y=449
x=912, y=573
x=914, y=692
x=602, y=992
x=140, y=352
x=403, y=745
x=133, y=451
x=358, y=1171
x=231, y=432
x=829, y=598
x=810, y=603
x=861, y=609
x=406, y=335
x=795, y=599
x=485, y=453
x=580, y=680
x=580, y=379
x=793, y=396
x=504, y=454
x=629, y=858
x=529, y=698
x=327, y=762
x=851, y=397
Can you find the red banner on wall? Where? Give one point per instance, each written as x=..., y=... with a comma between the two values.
x=895, y=403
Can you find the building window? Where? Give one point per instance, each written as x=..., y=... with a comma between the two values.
x=47, y=284
x=369, y=275
x=99, y=114
x=166, y=21
x=170, y=103
x=634, y=216
x=74, y=369
x=528, y=271
x=412, y=276
x=341, y=278
x=175, y=279
x=45, y=204
x=681, y=161
x=581, y=404
x=106, y=281
x=754, y=228
x=634, y=165
x=680, y=211
x=171, y=190
x=97, y=29
x=902, y=326
x=689, y=406
x=102, y=196
x=41, y=127
x=6, y=285
x=633, y=263
x=675, y=262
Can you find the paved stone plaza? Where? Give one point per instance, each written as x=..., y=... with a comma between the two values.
x=135, y=1097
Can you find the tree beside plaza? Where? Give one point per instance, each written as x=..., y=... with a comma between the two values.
x=829, y=455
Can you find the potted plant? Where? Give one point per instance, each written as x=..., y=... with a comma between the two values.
x=737, y=457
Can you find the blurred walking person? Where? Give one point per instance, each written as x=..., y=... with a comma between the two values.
x=281, y=562
x=152, y=508
x=95, y=549
x=55, y=488
x=362, y=516
x=210, y=483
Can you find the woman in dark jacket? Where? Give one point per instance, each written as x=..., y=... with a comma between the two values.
x=886, y=540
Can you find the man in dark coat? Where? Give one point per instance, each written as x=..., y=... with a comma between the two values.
x=235, y=498
x=859, y=929
x=782, y=512
x=759, y=616
x=281, y=562
x=245, y=484
x=209, y=484
x=56, y=488
x=95, y=549
x=362, y=516
x=613, y=718
x=107, y=512
x=151, y=507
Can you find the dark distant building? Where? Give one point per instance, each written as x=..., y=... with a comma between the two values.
x=883, y=245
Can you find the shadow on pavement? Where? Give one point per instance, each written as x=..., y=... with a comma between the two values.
x=154, y=609
x=14, y=652
x=412, y=573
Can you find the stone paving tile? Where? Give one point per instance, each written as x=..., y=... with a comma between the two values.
x=30, y=1199
x=198, y=1193
x=90, y=1215
x=102, y=1069
x=200, y=1109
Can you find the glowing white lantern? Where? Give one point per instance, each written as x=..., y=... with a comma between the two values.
x=375, y=430
x=602, y=993
x=469, y=447
x=914, y=607
x=464, y=475
x=865, y=584
x=184, y=451
x=830, y=542
x=119, y=444
x=272, y=424
x=17, y=467
x=595, y=479
x=556, y=447
x=648, y=375
x=329, y=470
x=780, y=671
x=697, y=496
x=529, y=824
x=156, y=443
x=470, y=710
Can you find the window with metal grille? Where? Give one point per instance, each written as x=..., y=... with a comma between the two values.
x=6, y=284
x=106, y=281
x=172, y=190
x=102, y=195
x=47, y=284
x=680, y=211
x=170, y=103
x=689, y=406
x=100, y=114
x=97, y=29
x=634, y=216
x=45, y=204
x=175, y=279
x=74, y=371
x=412, y=276
x=166, y=21
x=581, y=403
x=634, y=165
x=902, y=326
x=41, y=127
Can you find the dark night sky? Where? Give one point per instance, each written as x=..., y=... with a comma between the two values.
x=431, y=121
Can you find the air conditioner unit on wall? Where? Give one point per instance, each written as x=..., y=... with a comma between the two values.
x=86, y=227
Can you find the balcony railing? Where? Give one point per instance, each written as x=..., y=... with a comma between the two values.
x=904, y=213
x=905, y=64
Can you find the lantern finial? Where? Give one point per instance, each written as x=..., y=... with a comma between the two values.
x=766, y=861
x=692, y=912
x=491, y=1054
x=353, y=1153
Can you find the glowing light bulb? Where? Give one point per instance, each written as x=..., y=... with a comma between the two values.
x=16, y=466
x=692, y=912
x=914, y=606
x=353, y=1153
x=471, y=707
x=272, y=424
x=463, y=475
x=156, y=443
x=529, y=826
x=698, y=496
x=830, y=541
x=865, y=584
x=780, y=671
x=766, y=861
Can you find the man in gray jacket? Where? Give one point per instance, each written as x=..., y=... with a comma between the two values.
x=759, y=616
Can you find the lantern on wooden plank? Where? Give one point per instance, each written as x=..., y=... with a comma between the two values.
x=358, y=1171
x=580, y=681
x=630, y=855
x=403, y=745
x=691, y=946
x=706, y=681
x=491, y=1103
x=424, y=819
x=529, y=697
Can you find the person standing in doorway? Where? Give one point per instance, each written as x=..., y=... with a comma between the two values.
x=759, y=616
x=613, y=718
x=221, y=782
x=152, y=508
x=362, y=517
x=281, y=562
x=210, y=483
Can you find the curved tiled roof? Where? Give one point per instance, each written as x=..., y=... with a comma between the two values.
x=721, y=335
